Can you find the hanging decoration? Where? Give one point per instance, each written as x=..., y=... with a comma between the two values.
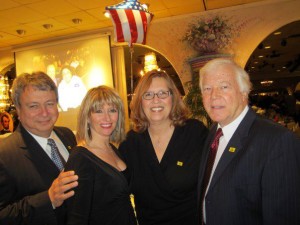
x=131, y=20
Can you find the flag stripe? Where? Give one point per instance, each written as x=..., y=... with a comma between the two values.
x=118, y=26
x=132, y=26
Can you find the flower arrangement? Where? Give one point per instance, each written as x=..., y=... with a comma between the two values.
x=210, y=34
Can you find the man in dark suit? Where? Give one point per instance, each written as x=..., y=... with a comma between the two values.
x=32, y=187
x=255, y=175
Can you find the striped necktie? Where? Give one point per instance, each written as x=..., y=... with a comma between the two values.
x=55, y=155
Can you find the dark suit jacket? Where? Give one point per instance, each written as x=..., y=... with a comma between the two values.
x=257, y=180
x=26, y=173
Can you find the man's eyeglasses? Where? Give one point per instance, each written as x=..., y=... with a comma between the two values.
x=161, y=94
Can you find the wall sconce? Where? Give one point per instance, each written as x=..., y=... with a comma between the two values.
x=47, y=26
x=21, y=32
x=77, y=21
x=150, y=62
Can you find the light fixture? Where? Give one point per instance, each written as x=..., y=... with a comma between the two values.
x=145, y=6
x=47, y=26
x=150, y=62
x=266, y=83
x=106, y=14
x=21, y=32
x=77, y=21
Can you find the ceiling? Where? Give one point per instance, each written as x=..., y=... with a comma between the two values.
x=32, y=16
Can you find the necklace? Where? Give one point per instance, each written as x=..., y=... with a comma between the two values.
x=107, y=149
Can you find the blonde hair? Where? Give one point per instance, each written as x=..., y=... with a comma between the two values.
x=95, y=99
x=179, y=112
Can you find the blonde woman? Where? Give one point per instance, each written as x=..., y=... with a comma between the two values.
x=102, y=196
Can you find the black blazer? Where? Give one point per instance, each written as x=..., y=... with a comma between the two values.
x=26, y=173
x=257, y=180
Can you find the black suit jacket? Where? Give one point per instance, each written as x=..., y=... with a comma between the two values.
x=26, y=173
x=257, y=180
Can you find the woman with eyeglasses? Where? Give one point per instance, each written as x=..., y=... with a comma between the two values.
x=163, y=152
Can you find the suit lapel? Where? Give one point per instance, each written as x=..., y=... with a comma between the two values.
x=65, y=139
x=235, y=145
x=34, y=152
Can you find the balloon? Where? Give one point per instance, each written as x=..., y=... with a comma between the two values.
x=130, y=20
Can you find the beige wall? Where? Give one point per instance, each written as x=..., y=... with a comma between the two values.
x=6, y=58
x=257, y=22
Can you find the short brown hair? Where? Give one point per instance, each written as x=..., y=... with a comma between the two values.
x=39, y=80
x=179, y=112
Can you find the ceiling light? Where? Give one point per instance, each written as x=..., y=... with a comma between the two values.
x=47, y=26
x=21, y=32
x=77, y=21
x=266, y=82
x=150, y=62
x=267, y=47
x=145, y=6
x=277, y=33
x=106, y=14
x=261, y=56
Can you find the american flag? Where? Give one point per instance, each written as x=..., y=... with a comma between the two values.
x=130, y=21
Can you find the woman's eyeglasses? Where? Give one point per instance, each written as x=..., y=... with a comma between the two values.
x=161, y=94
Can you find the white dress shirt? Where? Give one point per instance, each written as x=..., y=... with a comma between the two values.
x=228, y=131
x=43, y=143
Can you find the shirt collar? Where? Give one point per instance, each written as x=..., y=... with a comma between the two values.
x=229, y=129
x=41, y=140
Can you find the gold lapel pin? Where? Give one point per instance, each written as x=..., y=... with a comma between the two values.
x=69, y=147
x=232, y=149
x=179, y=163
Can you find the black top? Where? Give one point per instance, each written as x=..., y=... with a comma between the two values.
x=165, y=192
x=102, y=195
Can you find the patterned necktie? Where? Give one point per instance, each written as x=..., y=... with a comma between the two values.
x=210, y=162
x=55, y=155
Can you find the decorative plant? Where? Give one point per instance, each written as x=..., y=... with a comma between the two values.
x=211, y=34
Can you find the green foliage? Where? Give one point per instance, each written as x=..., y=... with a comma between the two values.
x=193, y=100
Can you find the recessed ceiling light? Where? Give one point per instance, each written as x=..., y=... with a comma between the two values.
x=21, y=32
x=277, y=33
x=261, y=56
x=47, y=26
x=267, y=47
x=77, y=20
